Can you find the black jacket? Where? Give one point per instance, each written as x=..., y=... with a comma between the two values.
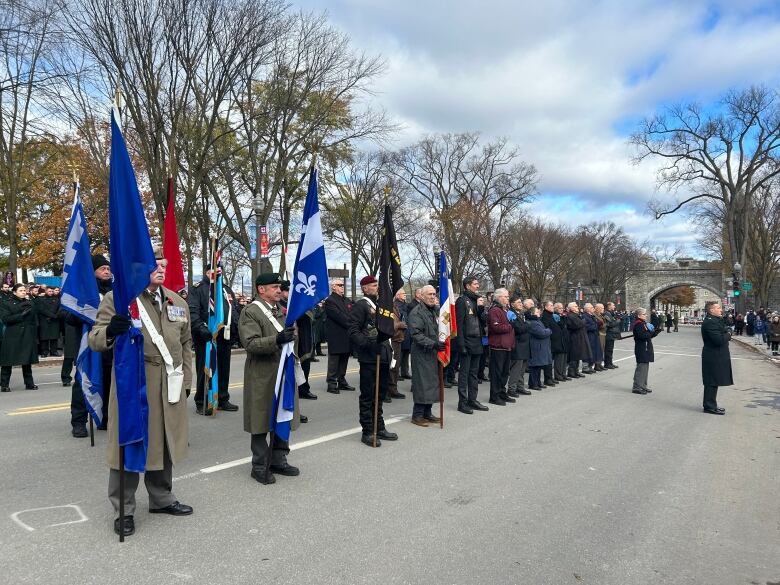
x=612, y=323
x=579, y=348
x=48, y=318
x=522, y=350
x=337, y=309
x=471, y=319
x=20, y=341
x=556, y=338
x=198, y=302
x=715, y=355
x=363, y=334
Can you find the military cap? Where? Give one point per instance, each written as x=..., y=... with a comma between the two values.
x=267, y=278
x=370, y=279
x=285, y=285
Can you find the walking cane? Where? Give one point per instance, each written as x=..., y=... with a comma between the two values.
x=376, y=399
x=91, y=431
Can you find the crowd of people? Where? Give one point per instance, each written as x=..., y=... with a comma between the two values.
x=524, y=347
x=764, y=324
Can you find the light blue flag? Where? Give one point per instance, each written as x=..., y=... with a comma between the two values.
x=308, y=287
x=80, y=296
x=132, y=261
x=216, y=322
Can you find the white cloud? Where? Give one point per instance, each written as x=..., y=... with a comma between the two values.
x=560, y=78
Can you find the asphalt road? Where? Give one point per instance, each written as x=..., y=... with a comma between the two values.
x=583, y=483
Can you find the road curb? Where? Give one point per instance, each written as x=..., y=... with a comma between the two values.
x=752, y=347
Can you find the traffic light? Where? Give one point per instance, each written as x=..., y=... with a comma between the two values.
x=736, y=286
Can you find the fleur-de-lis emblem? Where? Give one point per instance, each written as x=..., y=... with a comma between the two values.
x=307, y=284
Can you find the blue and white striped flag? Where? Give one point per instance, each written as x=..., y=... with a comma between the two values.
x=80, y=296
x=308, y=287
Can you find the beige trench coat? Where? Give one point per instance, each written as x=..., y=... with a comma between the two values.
x=258, y=336
x=167, y=422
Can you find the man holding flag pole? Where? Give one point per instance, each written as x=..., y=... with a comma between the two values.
x=371, y=327
x=147, y=419
x=268, y=335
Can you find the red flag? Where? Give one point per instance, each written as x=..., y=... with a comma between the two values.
x=174, y=276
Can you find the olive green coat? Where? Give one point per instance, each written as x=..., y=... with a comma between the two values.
x=258, y=337
x=168, y=423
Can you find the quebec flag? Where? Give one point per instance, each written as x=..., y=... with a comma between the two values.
x=309, y=285
x=80, y=296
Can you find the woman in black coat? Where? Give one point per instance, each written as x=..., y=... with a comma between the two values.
x=579, y=349
x=21, y=338
x=715, y=357
x=643, y=350
x=541, y=354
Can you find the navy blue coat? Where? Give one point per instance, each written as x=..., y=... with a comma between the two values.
x=643, y=342
x=541, y=354
x=592, y=327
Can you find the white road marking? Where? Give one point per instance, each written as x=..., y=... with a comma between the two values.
x=295, y=447
x=696, y=355
x=15, y=517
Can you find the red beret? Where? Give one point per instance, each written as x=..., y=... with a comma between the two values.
x=368, y=280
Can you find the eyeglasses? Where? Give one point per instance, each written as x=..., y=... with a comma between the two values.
x=341, y=285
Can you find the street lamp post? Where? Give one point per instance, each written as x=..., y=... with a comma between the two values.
x=437, y=263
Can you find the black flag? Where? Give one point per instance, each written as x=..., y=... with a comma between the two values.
x=390, y=280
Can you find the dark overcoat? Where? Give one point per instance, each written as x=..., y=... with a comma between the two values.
x=522, y=350
x=612, y=324
x=424, y=331
x=48, y=318
x=20, y=339
x=643, y=342
x=556, y=338
x=337, y=309
x=592, y=327
x=541, y=355
x=578, y=338
x=72, y=328
x=715, y=356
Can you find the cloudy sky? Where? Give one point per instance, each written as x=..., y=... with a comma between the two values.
x=565, y=80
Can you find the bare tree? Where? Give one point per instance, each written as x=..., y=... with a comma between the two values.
x=723, y=156
x=607, y=256
x=763, y=251
x=459, y=182
x=26, y=35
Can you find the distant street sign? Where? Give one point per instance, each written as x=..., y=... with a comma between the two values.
x=729, y=293
x=338, y=273
x=747, y=285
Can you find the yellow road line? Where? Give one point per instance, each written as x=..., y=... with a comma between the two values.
x=57, y=406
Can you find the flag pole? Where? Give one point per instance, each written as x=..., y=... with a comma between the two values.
x=376, y=398
x=441, y=396
x=91, y=430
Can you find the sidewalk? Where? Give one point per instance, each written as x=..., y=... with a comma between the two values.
x=755, y=344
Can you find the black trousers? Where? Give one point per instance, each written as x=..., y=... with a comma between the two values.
x=337, y=369
x=548, y=373
x=78, y=406
x=468, y=384
x=483, y=359
x=609, y=351
x=574, y=367
x=710, y=401
x=366, y=398
x=48, y=347
x=499, y=372
x=223, y=371
x=259, y=446
x=67, y=370
x=5, y=374
x=535, y=377
x=305, y=388
x=452, y=367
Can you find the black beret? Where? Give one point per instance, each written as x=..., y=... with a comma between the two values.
x=99, y=260
x=286, y=285
x=268, y=278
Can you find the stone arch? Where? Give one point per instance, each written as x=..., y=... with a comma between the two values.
x=666, y=286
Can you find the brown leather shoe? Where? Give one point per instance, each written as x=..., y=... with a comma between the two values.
x=420, y=422
x=433, y=419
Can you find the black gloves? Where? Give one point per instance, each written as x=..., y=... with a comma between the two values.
x=286, y=335
x=118, y=325
x=440, y=345
x=204, y=335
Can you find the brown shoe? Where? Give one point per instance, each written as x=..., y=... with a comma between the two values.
x=433, y=419
x=420, y=422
